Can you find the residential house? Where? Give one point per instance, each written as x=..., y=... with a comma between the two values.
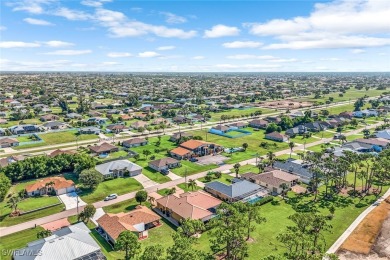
x=276, y=136
x=176, y=136
x=113, y=112
x=115, y=128
x=73, y=242
x=365, y=113
x=2, y=132
x=237, y=191
x=103, y=148
x=274, y=119
x=195, y=148
x=49, y=117
x=125, y=117
x=4, y=162
x=23, y=129
x=8, y=142
x=138, y=221
x=385, y=134
x=316, y=126
x=89, y=130
x=220, y=128
x=180, y=119
x=272, y=180
x=118, y=168
x=346, y=114
x=258, y=123
x=297, y=167
x=59, y=152
x=74, y=116
x=164, y=164
x=159, y=120
x=58, y=185
x=298, y=130
x=54, y=125
x=97, y=120
x=380, y=142
x=139, y=124
x=134, y=142
x=195, y=205
x=238, y=125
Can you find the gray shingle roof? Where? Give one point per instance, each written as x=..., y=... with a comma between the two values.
x=234, y=190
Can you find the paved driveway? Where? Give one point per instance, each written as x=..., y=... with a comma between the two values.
x=173, y=176
x=70, y=200
x=211, y=159
x=145, y=181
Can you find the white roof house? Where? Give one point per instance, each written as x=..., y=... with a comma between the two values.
x=383, y=134
x=68, y=243
x=118, y=168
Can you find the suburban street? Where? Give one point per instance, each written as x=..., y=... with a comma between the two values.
x=12, y=229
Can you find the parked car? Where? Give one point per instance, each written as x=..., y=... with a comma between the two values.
x=193, y=160
x=111, y=197
x=164, y=171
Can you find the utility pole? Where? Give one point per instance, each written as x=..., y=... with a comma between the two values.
x=77, y=198
x=185, y=177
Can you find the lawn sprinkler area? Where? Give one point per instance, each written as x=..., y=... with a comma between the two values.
x=233, y=133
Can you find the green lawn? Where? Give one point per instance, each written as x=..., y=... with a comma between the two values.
x=124, y=206
x=324, y=134
x=58, y=138
x=163, y=192
x=350, y=94
x=238, y=112
x=118, y=186
x=114, y=155
x=225, y=178
x=353, y=137
x=252, y=140
x=187, y=188
x=17, y=240
x=300, y=140
x=190, y=168
x=287, y=156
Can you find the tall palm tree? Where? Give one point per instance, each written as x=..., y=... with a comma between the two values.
x=192, y=184
x=271, y=158
x=284, y=188
x=237, y=168
x=13, y=202
x=261, y=167
x=291, y=145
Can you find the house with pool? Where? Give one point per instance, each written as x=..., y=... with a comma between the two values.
x=195, y=148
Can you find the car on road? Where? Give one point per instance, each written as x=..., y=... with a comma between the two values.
x=111, y=197
x=193, y=160
x=376, y=203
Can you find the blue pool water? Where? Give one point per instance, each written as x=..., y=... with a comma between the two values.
x=254, y=200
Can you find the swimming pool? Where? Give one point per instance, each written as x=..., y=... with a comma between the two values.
x=253, y=199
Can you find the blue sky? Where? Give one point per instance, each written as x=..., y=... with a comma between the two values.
x=119, y=35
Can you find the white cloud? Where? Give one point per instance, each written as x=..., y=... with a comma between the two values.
x=148, y=54
x=91, y=3
x=3, y=28
x=166, y=48
x=110, y=63
x=58, y=44
x=68, y=52
x=16, y=44
x=37, y=22
x=120, y=26
x=173, y=18
x=73, y=15
x=283, y=60
x=242, y=44
x=357, y=51
x=337, y=24
x=119, y=54
x=221, y=30
x=250, y=57
x=30, y=6
x=198, y=57
x=331, y=43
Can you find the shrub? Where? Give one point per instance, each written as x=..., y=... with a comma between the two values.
x=264, y=200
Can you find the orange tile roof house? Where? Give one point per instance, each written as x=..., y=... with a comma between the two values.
x=139, y=221
x=44, y=186
x=103, y=148
x=194, y=148
x=190, y=205
x=8, y=142
x=272, y=180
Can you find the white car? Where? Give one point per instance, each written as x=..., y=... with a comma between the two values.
x=111, y=197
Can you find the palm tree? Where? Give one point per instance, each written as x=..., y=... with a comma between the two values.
x=284, y=187
x=151, y=200
x=237, y=168
x=261, y=167
x=343, y=139
x=271, y=158
x=13, y=202
x=172, y=191
x=366, y=133
x=291, y=145
x=192, y=184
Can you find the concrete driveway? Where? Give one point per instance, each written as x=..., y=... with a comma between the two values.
x=145, y=181
x=70, y=200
